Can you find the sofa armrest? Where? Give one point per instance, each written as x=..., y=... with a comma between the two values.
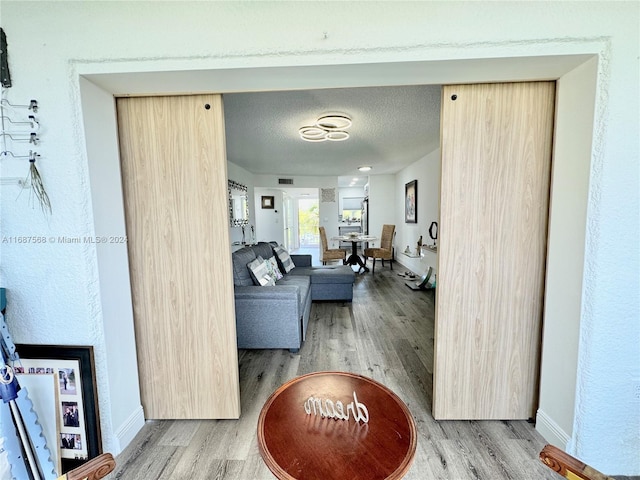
x=277, y=293
x=301, y=260
x=268, y=317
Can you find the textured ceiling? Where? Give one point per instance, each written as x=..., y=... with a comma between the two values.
x=392, y=128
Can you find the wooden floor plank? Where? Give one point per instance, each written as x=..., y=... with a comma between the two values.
x=179, y=434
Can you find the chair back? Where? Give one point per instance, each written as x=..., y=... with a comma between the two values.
x=323, y=239
x=386, y=240
x=95, y=469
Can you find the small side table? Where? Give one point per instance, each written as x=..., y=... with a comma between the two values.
x=300, y=446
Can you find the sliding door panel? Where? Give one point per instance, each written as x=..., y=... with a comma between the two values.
x=496, y=158
x=175, y=185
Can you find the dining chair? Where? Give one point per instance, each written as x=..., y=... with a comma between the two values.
x=385, y=251
x=327, y=254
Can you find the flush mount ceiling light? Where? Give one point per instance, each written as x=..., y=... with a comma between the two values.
x=364, y=168
x=334, y=122
x=327, y=127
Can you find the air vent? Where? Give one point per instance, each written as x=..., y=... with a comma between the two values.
x=285, y=181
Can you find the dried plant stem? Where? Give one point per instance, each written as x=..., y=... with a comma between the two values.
x=38, y=187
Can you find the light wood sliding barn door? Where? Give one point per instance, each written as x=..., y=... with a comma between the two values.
x=174, y=175
x=496, y=159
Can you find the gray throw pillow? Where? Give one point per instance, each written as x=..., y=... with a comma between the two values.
x=284, y=260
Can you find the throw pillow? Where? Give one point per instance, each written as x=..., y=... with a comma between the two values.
x=259, y=272
x=285, y=260
x=274, y=270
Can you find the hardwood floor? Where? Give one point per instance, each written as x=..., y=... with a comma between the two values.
x=385, y=334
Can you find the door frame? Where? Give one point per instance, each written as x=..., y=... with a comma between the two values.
x=100, y=81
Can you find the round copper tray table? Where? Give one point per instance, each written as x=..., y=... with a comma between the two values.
x=300, y=446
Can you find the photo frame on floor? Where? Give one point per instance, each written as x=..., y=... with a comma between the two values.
x=74, y=370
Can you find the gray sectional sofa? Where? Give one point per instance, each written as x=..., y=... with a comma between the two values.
x=277, y=316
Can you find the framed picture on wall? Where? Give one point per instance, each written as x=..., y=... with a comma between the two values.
x=268, y=201
x=411, y=202
x=73, y=367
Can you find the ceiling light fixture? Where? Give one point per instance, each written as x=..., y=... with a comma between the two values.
x=364, y=168
x=328, y=127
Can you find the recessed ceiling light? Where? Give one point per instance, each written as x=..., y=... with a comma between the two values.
x=364, y=168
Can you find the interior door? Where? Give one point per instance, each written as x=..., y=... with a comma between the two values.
x=496, y=158
x=174, y=175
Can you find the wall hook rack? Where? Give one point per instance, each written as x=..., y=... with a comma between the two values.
x=7, y=153
x=32, y=122
x=32, y=137
x=33, y=105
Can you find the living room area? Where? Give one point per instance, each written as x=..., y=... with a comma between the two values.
x=401, y=124
x=92, y=294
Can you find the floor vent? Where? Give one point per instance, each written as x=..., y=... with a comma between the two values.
x=285, y=181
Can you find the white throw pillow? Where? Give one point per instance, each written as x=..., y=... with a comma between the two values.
x=274, y=270
x=260, y=273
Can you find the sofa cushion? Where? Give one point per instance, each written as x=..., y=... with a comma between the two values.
x=260, y=273
x=304, y=284
x=240, y=259
x=263, y=249
x=284, y=260
x=328, y=274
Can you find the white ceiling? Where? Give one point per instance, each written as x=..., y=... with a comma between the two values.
x=392, y=128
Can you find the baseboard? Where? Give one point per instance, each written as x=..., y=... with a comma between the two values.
x=129, y=429
x=551, y=431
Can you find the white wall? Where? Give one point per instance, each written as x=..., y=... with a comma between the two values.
x=382, y=204
x=427, y=172
x=55, y=290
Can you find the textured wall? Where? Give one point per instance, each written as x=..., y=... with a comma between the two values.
x=54, y=288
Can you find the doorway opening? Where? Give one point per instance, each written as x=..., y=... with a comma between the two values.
x=300, y=222
x=101, y=159
x=308, y=222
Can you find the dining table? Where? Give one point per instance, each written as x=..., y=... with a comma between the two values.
x=354, y=258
